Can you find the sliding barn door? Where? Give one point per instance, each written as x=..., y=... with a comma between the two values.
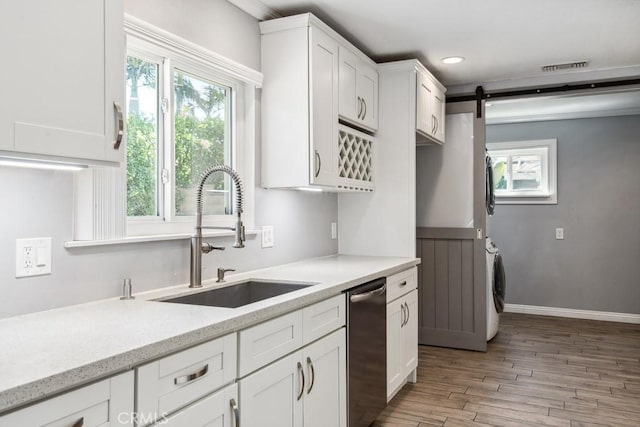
x=450, y=234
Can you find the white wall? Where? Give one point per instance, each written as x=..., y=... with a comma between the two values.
x=39, y=203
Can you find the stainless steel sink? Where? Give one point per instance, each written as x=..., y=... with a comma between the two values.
x=238, y=295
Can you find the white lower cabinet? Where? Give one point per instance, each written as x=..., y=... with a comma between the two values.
x=217, y=410
x=402, y=337
x=105, y=403
x=306, y=388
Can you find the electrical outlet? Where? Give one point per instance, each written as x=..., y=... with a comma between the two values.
x=334, y=231
x=559, y=233
x=267, y=236
x=33, y=257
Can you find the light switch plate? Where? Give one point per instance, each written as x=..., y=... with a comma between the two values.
x=267, y=236
x=334, y=231
x=33, y=257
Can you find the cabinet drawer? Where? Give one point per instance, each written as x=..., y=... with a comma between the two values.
x=213, y=410
x=105, y=403
x=401, y=283
x=174, y=381
x=268, y=341
x=323, y=318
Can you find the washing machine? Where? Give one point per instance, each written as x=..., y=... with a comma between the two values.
x=495, y=288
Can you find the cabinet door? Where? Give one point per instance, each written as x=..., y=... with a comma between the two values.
x=437, y=107
x=349, y=108
x=395, y=319
x=325, y=400
x=324, y=108
x=273, y=396
x=425, y=123
x=216, y=410
x=367, y=83
x=105, y=403
x=409, y=344
x=66, y=69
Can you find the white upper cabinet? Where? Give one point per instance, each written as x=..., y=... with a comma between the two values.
x=358, y=90
x=303, y=144
x=430, y=105
x=63, y=78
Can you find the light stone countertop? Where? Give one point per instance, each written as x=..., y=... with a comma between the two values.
x=52, y=351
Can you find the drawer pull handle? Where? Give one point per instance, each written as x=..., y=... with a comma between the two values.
x=191, y=377
x=313, y=374
x=403, y=284
x=236, y=414
x=301, y=372
x=119, y=127
x=78, y=423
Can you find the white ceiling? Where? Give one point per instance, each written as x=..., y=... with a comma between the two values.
x=504, y=41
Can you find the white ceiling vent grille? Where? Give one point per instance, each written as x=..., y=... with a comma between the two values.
x=565, y=66
x=355, y=160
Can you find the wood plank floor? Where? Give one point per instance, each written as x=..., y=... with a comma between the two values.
x=538, y=370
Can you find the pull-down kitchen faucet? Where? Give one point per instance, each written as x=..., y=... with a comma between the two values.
x=197, y=246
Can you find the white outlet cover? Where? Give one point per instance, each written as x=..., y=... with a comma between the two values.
x=559, y=233
x=33, y=257
x=267, y=236
x=334, y=230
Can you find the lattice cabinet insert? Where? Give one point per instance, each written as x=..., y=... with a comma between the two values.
x=355, y=160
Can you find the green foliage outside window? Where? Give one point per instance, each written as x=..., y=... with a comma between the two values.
x=199, y=136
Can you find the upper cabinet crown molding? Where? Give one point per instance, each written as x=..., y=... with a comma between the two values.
x=66, y=97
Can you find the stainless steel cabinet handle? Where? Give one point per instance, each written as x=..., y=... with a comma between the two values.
x=408, y=313
x=437, y=125
x=313, y=374
x=78, y=423
x=364, y=114
x=365, y=296
x=402, y=316
x=301, y=372
x=119, y=126
x=403, y=284
x=236, y=414
x=319, y=163
x=359, y=106
x=188, y=378
x=433, y=124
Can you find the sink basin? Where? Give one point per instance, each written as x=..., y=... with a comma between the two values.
x=238, y=295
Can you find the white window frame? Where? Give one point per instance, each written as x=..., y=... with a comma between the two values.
x=193, y=59
x=547, y=149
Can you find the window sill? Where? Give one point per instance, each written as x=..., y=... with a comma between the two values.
x=154, y=238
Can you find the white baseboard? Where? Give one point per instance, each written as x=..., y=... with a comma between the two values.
x=573, y=313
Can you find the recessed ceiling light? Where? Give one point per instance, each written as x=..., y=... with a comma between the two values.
x=452, y=59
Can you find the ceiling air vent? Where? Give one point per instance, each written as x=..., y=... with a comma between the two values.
x=565, y=66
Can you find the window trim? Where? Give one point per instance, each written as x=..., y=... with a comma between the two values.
x=193, y=59
x=549, y=172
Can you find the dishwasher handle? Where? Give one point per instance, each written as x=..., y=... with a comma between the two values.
x=368, y=295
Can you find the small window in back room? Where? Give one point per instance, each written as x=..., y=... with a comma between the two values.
x=524, y=172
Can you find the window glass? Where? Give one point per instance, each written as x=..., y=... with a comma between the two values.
x=527, y=172
x=142, y=137
x=500, y=177
x=202, y=139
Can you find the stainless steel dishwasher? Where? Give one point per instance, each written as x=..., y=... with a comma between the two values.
x=367, y=352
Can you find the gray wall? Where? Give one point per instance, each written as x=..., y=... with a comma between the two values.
x=597, y=265
x=39, y=203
